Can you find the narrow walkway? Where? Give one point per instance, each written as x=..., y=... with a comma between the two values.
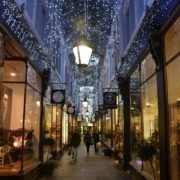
x=88, y=167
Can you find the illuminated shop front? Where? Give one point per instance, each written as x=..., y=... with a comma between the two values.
x=52, y=129
x=20, y=112
x=52, y=133
x=20, y=94
x=144, y=112
x=172, y=66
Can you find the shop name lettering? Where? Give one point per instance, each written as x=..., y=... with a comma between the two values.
x=20, y=32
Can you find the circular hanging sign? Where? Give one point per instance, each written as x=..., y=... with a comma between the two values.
x=109, y=100
x=71, y=109
x=58, y=96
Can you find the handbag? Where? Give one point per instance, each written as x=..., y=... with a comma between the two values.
x=69, y=151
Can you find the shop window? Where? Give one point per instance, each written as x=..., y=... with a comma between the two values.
x=150, y=126
x=144, y=112
x=149, y=108
x=14, y=71
x=32, y=123
x=118, y=129
x=172, y=49
x=11, y=115
x=148, y=68
x=173, y=82
x=33, y=79
x=172, y=39
x=136, y=129
x=121, y=128
x=47, y=128
x=58, y=128
x=18, y=136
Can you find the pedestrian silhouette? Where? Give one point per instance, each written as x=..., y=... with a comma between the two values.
x=95, y=136
x=87, y=140
x=75, y=142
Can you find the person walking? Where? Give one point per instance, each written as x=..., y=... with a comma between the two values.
x=75, y=142
x=95, y=136
x=87, y=140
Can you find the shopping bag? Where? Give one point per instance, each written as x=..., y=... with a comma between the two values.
x=69, y=151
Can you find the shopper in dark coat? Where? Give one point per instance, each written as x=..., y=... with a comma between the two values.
x=87, y=140
x=75, y=142
x=95, y=136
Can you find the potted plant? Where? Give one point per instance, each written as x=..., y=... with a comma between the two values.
x=49, y=142
x=48, y=167
x=146, y=150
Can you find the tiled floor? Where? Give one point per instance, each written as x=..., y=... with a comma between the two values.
x=88, y=167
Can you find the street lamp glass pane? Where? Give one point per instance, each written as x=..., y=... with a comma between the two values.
x=84, y=53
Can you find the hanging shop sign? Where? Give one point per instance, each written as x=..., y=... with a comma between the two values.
x=71, y=109
x=57, y=96
x=109, y=100
x=12, y=19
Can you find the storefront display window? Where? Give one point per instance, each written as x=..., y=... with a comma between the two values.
x=172, y=49
x=144, y=112
x=33, y=79
x=136, y=120
x=48, y=114
x=118, y=129
x=11, y=115
x=121, y=126
x=172, y=39
x=107, y=135
x=20, y=117
x=32, y=123
x=52, y=128
x=11, y=121
x=148, y=68
x=55, y=129
x=58, y=129
x=149, y=108
x=14, y=71
x=149, y=103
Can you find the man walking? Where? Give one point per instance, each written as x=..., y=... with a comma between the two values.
x=87, y=140
x=75, y=142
